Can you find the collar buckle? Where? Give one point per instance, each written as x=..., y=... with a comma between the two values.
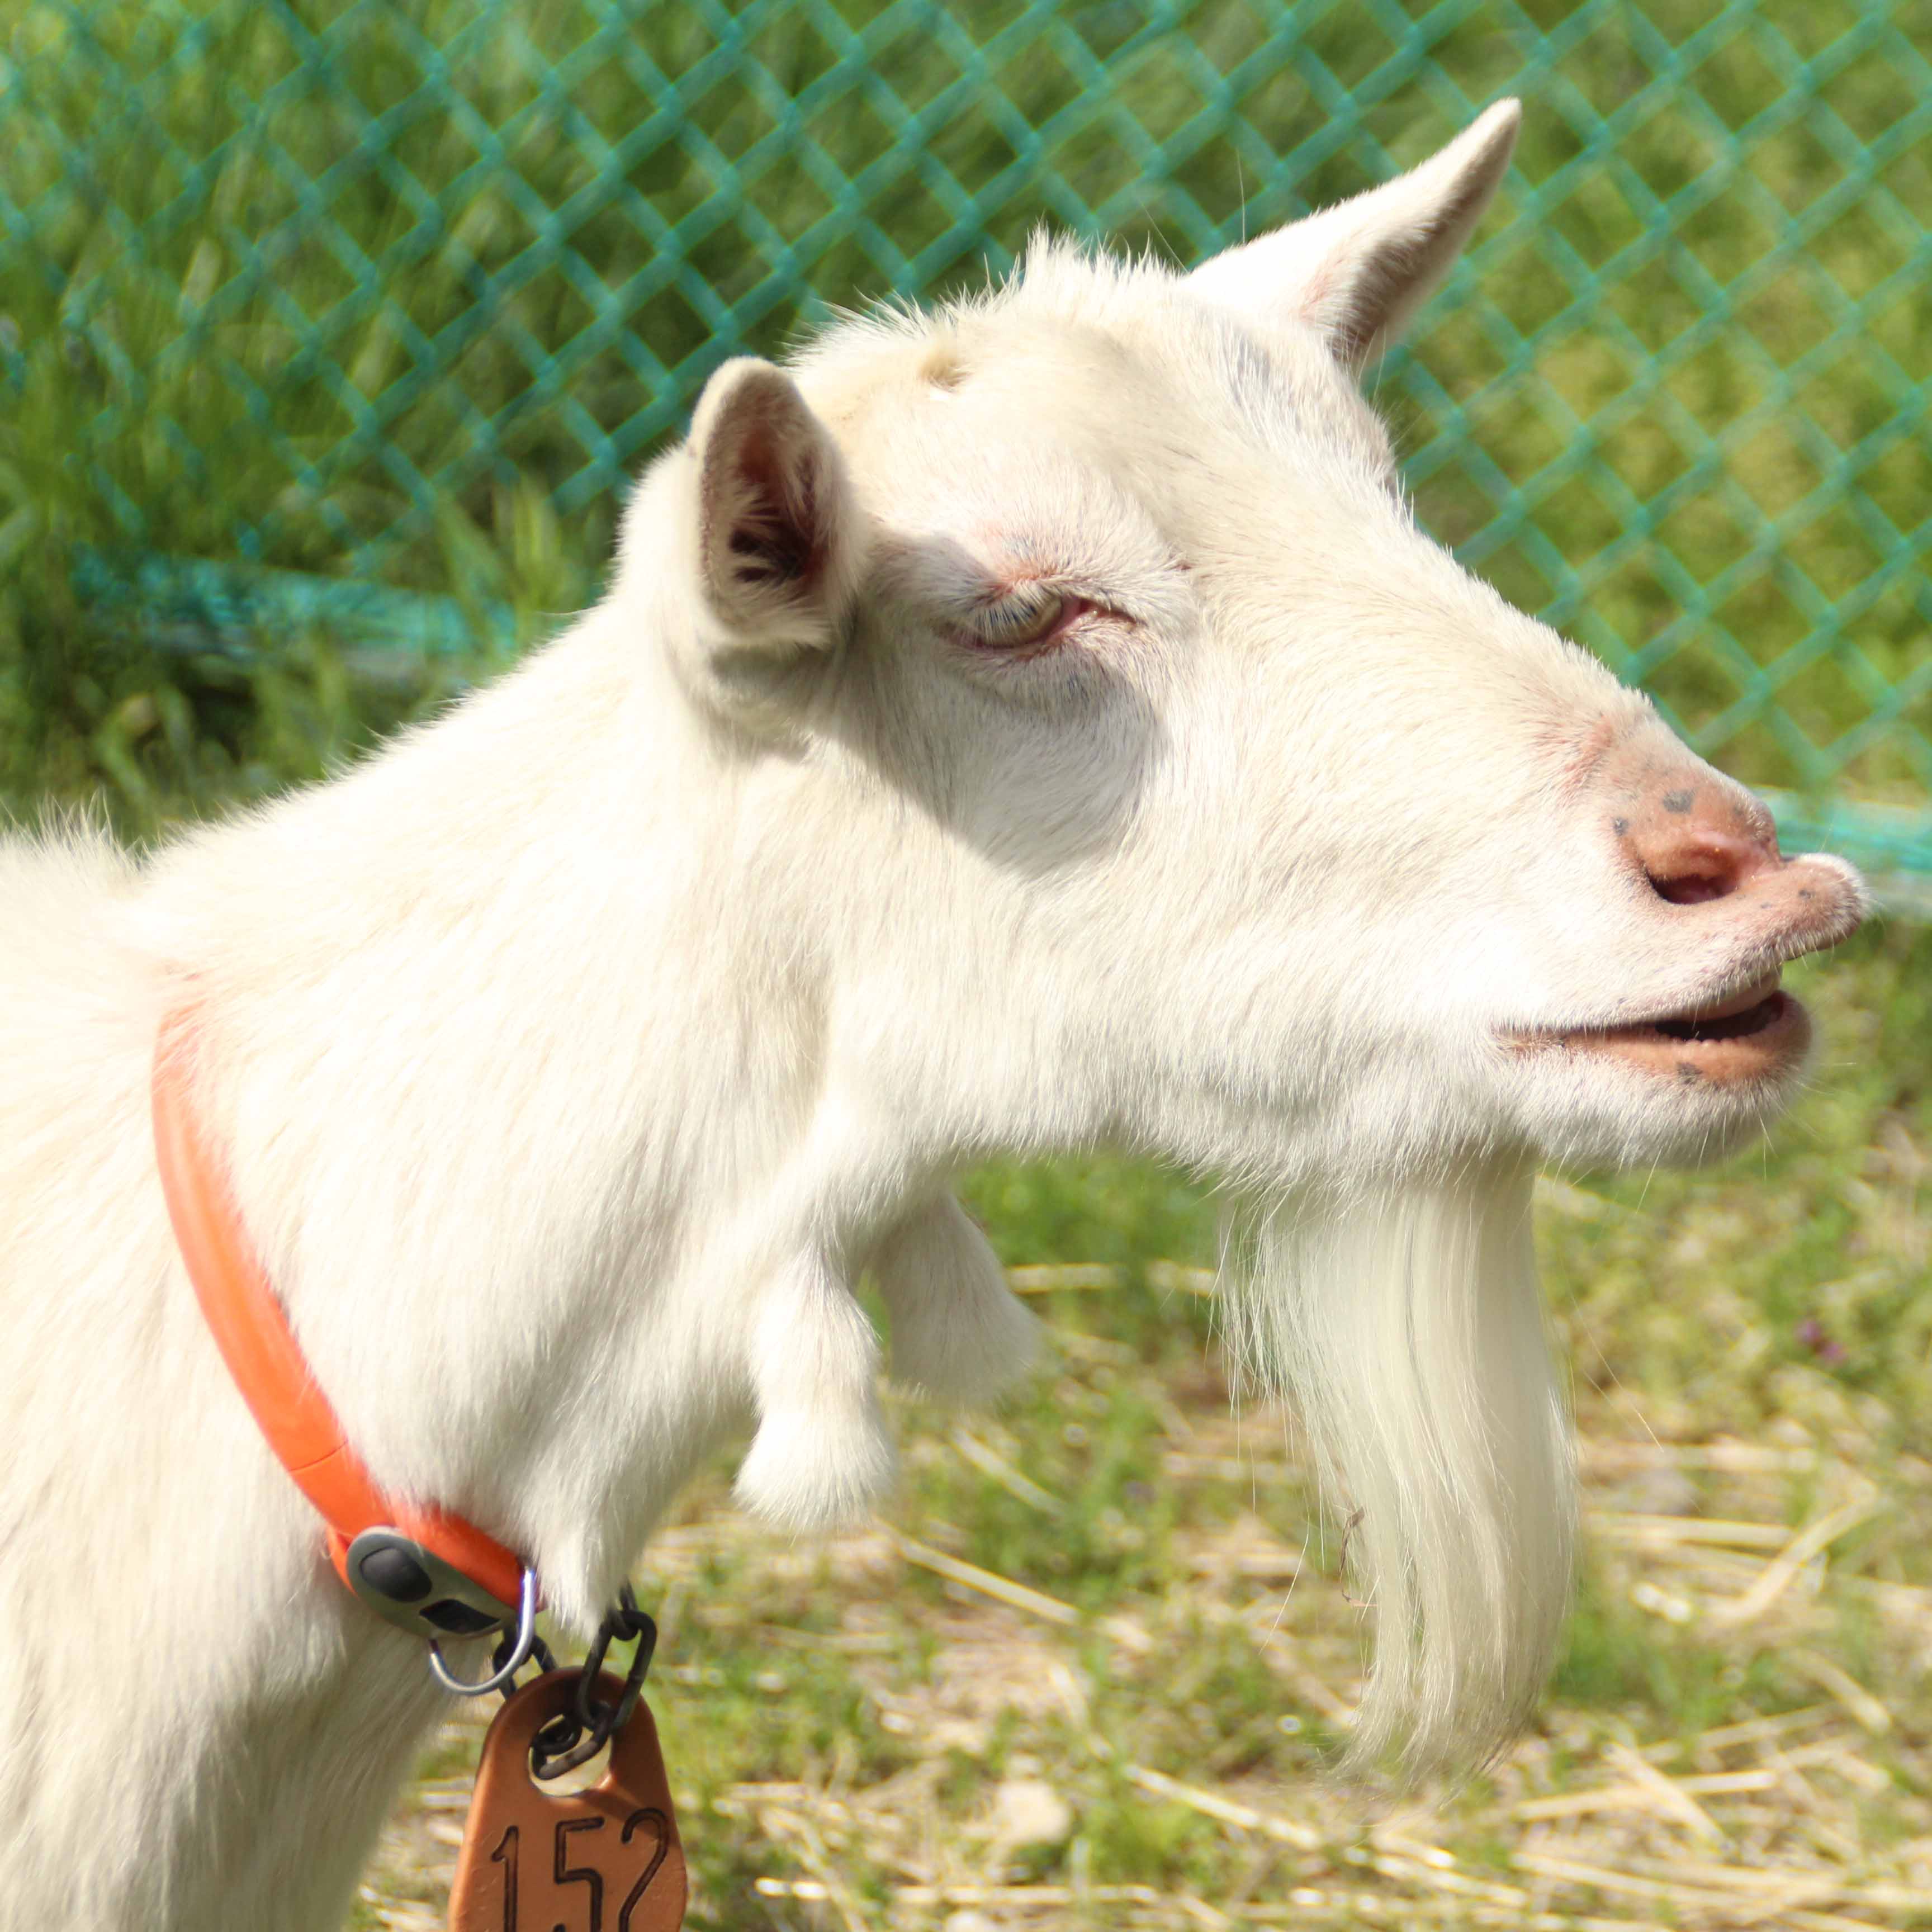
x=409, y=1584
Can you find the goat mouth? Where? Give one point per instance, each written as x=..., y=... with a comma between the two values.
x=1758, y=1033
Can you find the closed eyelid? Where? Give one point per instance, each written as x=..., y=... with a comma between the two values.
x=963, y=581
x=1019, y=608
x=1025, y=589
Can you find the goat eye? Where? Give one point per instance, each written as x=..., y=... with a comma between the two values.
x=1031, y=616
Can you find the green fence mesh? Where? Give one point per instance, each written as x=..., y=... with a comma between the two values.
x=360, y=315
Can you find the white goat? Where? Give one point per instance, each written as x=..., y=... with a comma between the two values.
x=1032, y=725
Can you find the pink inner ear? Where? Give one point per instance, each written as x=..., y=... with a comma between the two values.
x=777, y=538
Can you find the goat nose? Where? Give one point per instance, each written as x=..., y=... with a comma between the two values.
x=1691, y=864
x=1694, y=836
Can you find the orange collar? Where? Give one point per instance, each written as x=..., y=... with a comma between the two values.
x=431, y=1572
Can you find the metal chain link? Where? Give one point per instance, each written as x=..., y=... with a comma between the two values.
x=575, y=1736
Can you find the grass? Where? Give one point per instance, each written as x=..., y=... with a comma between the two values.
x=1091, y=1667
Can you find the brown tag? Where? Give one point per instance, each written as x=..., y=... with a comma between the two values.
x=604, y=1860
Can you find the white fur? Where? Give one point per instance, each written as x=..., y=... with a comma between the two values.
x=575, y=1055
x=958, y=1335
x=1406, y=1326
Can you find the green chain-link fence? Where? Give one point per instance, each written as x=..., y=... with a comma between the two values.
x=360, y=315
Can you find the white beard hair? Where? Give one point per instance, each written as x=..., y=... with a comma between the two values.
x=1405, y=1326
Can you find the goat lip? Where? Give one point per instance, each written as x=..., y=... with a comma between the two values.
x=1735, y=1005
x=1801, y=905
x=1758, y=1034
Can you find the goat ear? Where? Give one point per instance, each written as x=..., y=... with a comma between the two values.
x=778, y=534
x=1358, y=271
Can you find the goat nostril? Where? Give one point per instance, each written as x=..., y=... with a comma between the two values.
x=1692, y=888
x=1698, y=866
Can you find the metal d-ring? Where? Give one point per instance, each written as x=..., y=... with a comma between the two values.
x=520, y=1647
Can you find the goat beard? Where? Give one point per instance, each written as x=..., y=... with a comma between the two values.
x=1403, y=1323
